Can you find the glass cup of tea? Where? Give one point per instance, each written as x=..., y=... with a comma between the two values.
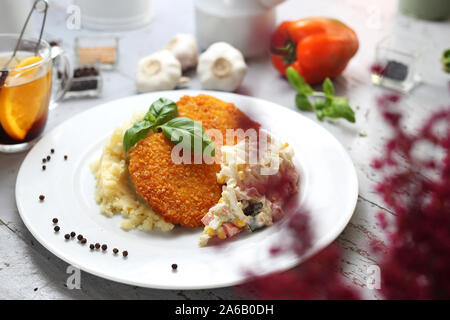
x=26, y=90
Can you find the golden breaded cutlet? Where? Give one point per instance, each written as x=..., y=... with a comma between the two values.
x=214, y=113
x=183, y=193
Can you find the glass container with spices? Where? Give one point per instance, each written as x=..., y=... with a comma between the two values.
x=85, y=82
x=103, y=51
x=396, y=62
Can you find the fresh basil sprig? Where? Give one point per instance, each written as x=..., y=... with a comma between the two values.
x=138, y=131
x=445, y=60
x=162, y=114
x=325, y=104
x=162, y=110
x=189, y=134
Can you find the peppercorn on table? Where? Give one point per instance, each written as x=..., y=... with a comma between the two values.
x=29, y=271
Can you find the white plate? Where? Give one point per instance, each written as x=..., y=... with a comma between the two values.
x=329, y=190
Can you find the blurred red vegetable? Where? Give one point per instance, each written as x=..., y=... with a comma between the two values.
x=316, y=47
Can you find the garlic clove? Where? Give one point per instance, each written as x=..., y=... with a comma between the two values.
x=221, y=67
x=158, y=71
x=184, y=80
x=184, y=47
x=151, y=67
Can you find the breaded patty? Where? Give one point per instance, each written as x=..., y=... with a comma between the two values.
x=183, y=193
x=214, y=113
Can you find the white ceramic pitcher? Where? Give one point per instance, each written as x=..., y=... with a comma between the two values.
x=245, y=24
x=114, y=14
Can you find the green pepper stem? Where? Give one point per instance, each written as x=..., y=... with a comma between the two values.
x=288, y=52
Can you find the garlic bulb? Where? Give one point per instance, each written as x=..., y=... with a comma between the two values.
x=221, y=67
x=185, y=49
x=158, y=71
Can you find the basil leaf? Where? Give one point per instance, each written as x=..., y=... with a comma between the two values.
x=297, y=81
x=445, y=61
x=137, y=132
x=331, y=106
x=150, y=117
x=319, y=104
x=188, y=133
x=162, y=110
x=340, y=108
x=328, y=87
x=303, y=102
x=320, y=115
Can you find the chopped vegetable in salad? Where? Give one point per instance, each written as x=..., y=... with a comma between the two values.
x=254, y=192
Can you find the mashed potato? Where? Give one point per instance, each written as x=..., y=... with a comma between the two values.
x=115, y=192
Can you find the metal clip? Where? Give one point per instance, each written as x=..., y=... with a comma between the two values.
x=35, y=7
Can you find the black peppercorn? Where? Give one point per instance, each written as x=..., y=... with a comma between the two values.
x=52, y=151
x=44, y=167
x=41, y=197
x=55, y=220
x=104, y=247
x=65, y=157
x=92, y=246
x=48, y=158
x=174, y=266
x=115, y=250
x=125, y=253
x=67, y=236
x=72, y=234
x=83, y=241
x=97, y=245
x=80, y=236
x=80, y=84
x=56, y=228
x=44, y=160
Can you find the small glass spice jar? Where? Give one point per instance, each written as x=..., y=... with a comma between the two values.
x=396, y=64
x=86, y=82
x=103, y=51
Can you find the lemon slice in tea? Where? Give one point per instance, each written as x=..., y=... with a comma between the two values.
x=21, y=104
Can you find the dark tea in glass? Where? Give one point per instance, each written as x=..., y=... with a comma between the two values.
x=25, y=90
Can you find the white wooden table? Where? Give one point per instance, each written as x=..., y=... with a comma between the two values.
x=28, y=271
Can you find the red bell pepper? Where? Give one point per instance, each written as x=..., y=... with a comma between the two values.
x=316, y=47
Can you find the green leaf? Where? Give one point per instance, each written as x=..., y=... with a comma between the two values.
x=188, y=133
x=320, y=115
x=328, y=87
x=297, y=81
x=162, y=114
x=446, y=60
x=162, y=110
x=340, y=108
x=138, y=131
x=446, y=53
x=150, y=117
x=330, y=106
x=303, y=102
x=319, y=104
